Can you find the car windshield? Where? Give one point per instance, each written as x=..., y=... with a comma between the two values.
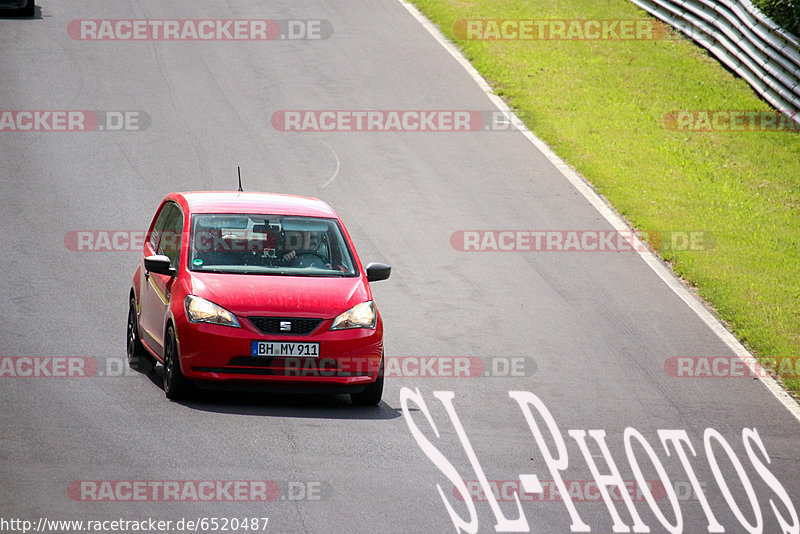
x=269, y=244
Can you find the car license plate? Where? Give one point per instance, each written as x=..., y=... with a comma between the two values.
x=281, y=349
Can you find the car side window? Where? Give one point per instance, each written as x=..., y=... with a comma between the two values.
x=170, y=244
x=158, y=227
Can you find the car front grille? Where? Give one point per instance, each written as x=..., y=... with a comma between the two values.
x=299, y=326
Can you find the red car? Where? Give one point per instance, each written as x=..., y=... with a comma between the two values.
x=256, y=289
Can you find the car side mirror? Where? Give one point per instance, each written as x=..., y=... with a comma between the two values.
x=378, y=271
x=159, y=264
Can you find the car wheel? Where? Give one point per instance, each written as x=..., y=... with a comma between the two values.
x=175, y=384
x=372, y=394
x=29, y=10
x=136, y=351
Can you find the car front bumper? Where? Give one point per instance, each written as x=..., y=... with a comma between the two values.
x=214, y=353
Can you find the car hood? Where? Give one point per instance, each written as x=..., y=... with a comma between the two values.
x=273, y=295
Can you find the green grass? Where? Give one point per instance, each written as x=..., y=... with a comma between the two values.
x=601, y=105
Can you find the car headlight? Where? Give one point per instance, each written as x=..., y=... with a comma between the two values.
x=204, y=311
x=359, y=316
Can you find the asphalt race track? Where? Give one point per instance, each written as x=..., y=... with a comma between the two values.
x=589, y=333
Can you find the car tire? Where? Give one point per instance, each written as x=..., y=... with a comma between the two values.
x=137, y=354
x=372, y=394
x=176, y=386
x=29, y=10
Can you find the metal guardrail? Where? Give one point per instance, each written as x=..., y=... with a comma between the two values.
x=749, y=43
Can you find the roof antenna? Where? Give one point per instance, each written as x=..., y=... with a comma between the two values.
x=239, y=170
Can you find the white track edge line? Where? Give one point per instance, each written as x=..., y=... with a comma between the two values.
x=614, y=219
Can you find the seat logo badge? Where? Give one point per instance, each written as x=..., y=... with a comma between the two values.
x=286, y=326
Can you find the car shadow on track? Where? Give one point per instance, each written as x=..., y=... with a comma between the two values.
x=13, y=16
x=249, y=401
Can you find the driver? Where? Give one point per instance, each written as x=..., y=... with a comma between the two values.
x=305, y=242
